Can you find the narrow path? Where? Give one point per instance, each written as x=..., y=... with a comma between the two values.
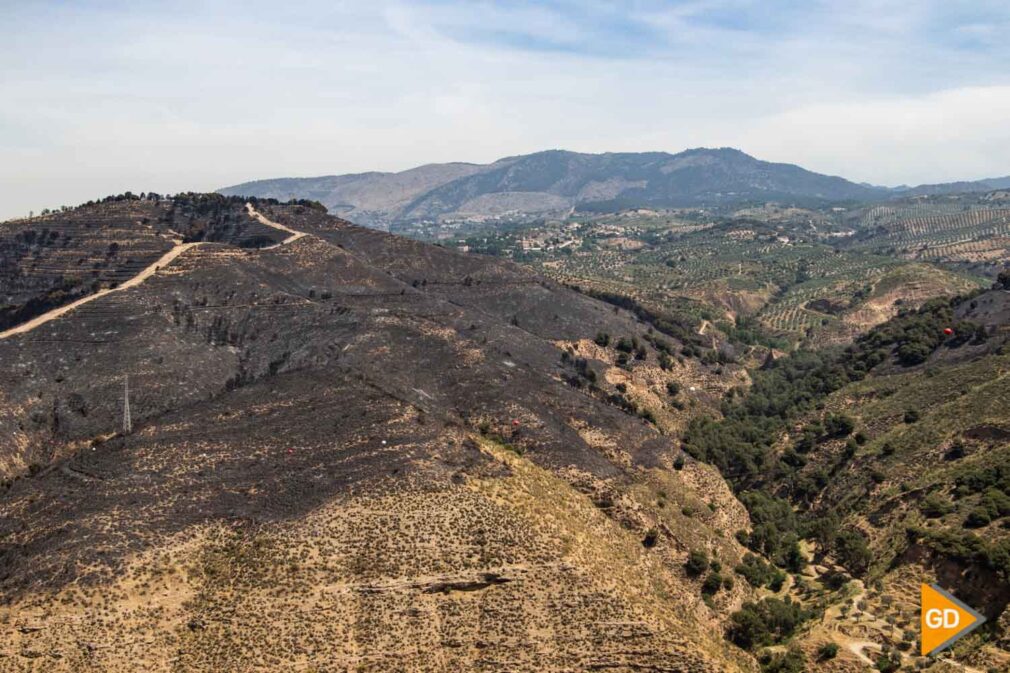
x=146, y=273
x=262, y=219
x=133, y=282
x=859, y=647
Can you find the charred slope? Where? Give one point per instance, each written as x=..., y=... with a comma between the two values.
x=53, y=259
x=349, y=450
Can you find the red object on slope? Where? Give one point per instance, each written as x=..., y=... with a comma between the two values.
x=948, y=331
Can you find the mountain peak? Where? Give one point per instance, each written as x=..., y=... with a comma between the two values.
x=554, y=181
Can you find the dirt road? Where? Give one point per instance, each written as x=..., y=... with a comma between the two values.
x=859, y=647
x=262, y=219
x=146, y=273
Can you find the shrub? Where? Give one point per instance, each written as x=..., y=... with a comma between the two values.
x=996, y=502
x=790, y=661
x=839, y=425
x=912, y=416
x=980, y=479
x=767, y=622
x=934, y=505
x=712, y=584
x=834, y=580
x=978, y=518
x=756, y=571
x=697, y=563
x=915, y=353
x=851, y=549
x=888, y=663
x=651, y=538
x=827, y=651
x=602, y=339
x=1003, y=279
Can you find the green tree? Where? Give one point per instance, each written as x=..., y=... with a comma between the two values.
x=767, y=622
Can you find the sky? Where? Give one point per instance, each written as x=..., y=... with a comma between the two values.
x=100, y=97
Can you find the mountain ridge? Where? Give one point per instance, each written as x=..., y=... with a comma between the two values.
x=555, y=181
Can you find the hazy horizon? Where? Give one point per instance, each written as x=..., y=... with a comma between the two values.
x=104, y=97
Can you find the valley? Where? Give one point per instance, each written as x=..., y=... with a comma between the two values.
x=794, y=275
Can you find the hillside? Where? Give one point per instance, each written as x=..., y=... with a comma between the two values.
x=959, y=187
x=967, y=231
x=888, y=461
x=927, y=486
x=349, y=451
x=370, y=199
x=555, y=181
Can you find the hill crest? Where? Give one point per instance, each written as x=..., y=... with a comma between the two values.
x=557, y=181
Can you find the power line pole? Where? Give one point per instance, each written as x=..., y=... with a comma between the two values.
x=127, y=421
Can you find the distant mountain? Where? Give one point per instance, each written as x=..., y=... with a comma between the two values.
x=960, y=187
x=557, y=181
x=368, y=198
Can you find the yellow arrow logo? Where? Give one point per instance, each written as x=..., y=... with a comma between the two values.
x=944, y=619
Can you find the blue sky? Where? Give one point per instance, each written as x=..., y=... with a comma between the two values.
x=104, y=96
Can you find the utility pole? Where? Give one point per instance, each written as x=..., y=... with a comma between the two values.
x=127, y=421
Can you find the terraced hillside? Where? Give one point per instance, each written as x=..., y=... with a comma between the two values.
x=968, y=231
x=789, y=278
x=352, y=451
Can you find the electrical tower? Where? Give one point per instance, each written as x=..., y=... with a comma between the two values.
x=127, y=421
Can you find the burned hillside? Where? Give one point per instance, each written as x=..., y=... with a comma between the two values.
x=288, y=369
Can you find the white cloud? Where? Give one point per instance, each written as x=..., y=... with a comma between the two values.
x=943, y=136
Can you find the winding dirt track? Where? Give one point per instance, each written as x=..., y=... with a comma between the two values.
x=146, y=273
x=859, y=647
x=262, y=219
